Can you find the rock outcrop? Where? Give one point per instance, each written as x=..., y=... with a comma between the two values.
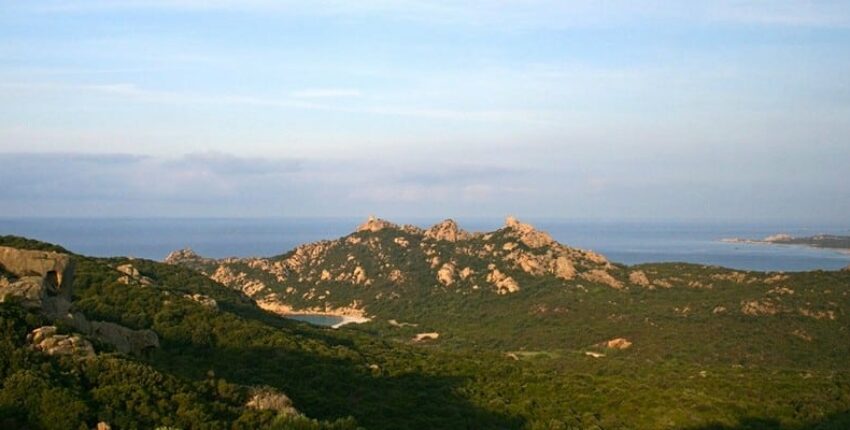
x=602, y=277
x=563, y=268
x=44, y=280
x=764, y=307
x=203, y=300
x=132, y=275
x=617, y=343
x=426, y=336
x=359, y=276
x=129, y=270
x=818, y=314
x=446, y=274
x=446, y=230
x=30, y=291
x=639, y=278
x=527, y=234
x=35, y=275
x=47, y=340
x=504, y=284
x=374, y=224
x=185, y=255
x=125, y=340
x=268, y=398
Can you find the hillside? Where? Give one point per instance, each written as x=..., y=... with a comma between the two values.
x=552, y=338
x=382, y=266
x=517, y=289
x=219, y=361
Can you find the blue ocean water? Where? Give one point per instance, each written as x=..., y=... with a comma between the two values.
x=318, y=319
x=624, y=242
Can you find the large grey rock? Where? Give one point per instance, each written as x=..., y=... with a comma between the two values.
x=125, y=340
x=33, y=276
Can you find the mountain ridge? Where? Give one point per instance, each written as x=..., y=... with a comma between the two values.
x=381, y=253
x=454, y=283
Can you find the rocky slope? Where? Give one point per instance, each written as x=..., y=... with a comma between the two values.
x=516, y=287
x=43, y=281
x=382, y=261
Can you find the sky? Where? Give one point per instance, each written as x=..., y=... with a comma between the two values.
x=627, y=110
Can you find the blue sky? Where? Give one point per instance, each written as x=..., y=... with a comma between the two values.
x=720, y=110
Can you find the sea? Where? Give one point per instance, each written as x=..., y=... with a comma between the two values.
x=318, y=319
x=629, y=242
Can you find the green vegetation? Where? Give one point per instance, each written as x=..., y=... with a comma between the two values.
x=62, y=393
x=512, y=362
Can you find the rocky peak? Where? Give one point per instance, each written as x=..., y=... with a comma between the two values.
x=374, y=224
x=446, y=230
x=527, y=234
x=314, y=275
x=512, y=222
x=182, y=255
x=412, y=229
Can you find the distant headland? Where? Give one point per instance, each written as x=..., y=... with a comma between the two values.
x=827, y=241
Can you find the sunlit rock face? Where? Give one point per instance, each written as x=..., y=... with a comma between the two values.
x=33, y=276
x=527, y=234
x=374, y=224
x=447, y=230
